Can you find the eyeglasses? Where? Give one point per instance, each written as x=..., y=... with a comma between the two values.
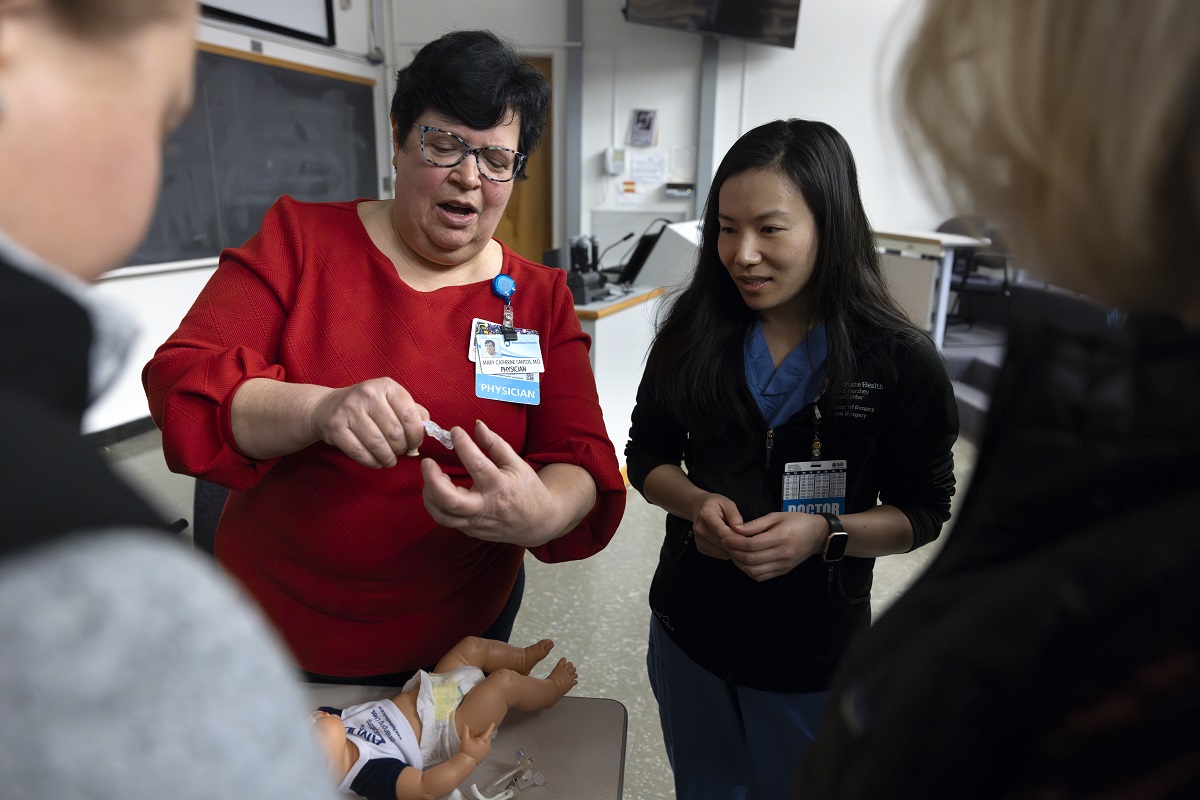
x=444, y=149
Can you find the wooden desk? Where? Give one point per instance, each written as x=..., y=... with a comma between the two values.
x=621, y=331
x=579, y=745
x=936, y=246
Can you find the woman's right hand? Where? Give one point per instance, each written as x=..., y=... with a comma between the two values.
x=372, y=422
x=712, y=519
x=669, y=488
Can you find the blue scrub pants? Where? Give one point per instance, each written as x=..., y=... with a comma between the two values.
x=727, y=742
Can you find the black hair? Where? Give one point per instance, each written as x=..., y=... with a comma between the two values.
x=477, y=79
x=698, y=352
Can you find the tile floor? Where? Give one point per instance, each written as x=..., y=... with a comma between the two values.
x=595, y=610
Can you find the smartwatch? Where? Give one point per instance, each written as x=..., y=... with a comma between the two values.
x=835, y=543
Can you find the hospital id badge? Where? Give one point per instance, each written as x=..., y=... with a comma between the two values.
x=481, y=327
x=514, y=387
x=815, y=487
x=496, y=355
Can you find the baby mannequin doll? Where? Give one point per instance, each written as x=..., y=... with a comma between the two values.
x=425, y=741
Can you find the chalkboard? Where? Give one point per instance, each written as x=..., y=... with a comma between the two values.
x=258, y=131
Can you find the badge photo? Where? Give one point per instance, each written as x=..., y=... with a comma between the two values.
x=496, y=356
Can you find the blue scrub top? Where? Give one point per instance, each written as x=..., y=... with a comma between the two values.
x=782, y=392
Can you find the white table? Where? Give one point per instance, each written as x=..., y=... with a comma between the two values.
x=936, y=246
x=621, y=329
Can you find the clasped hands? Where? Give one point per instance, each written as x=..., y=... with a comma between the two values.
x=377, y=421
x=763, y=548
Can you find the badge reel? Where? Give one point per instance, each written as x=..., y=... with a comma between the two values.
x=503, y=286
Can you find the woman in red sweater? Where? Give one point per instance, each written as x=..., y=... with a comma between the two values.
x=304, y=373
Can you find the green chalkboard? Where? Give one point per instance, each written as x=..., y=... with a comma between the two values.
x=257, y=131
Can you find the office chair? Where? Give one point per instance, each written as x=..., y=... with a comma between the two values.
x=965, y=279
x=208, y=500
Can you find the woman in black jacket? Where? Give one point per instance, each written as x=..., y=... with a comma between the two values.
x=794, y=425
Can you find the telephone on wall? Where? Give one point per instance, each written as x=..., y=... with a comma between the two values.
x=614, y=161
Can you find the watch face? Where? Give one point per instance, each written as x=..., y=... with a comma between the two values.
x=835, y=546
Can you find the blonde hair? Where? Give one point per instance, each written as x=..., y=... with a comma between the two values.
x=1073, y=124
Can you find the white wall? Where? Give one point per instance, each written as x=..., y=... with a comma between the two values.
x=840, y=72
x=528, y=23
x=628, y=66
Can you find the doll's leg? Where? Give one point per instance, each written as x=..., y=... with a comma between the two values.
x=490, y=655
x=491, y=698
x=340, y=753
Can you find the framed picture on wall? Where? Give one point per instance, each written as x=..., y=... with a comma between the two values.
x=643, y=127
x=311, y=20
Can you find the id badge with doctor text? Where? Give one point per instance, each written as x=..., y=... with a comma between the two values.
x=815, y=487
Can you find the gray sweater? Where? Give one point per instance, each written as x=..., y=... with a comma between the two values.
x=130, y=668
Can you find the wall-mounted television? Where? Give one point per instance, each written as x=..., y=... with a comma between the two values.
x=766, y=21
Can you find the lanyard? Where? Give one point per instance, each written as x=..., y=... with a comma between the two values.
x=816, y=442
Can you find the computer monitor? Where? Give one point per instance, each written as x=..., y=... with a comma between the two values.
x=673, y=259
x=633, y=266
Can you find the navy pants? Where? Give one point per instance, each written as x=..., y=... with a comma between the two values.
x=724, y=741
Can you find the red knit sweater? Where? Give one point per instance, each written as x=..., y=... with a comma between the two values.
x=344, y=559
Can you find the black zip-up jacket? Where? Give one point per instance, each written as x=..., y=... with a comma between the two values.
x=894, y=426
x=1052, y=649
x=51, y=482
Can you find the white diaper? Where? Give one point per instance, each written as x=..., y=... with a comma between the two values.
x=437, y=700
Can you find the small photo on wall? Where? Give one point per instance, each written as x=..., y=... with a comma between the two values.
x=643, y=128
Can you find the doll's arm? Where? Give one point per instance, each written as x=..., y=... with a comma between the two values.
x=437, y=782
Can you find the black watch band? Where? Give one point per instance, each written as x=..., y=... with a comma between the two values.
x=835, y=524
x=836, y=541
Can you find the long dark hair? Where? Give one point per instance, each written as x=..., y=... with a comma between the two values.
x=698, y=355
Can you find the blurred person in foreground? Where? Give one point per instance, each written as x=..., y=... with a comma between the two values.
x=130, y=668
x=1052, y=649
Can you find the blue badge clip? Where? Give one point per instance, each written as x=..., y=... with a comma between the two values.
x=503, y=286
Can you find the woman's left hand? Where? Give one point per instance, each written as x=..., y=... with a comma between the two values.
x=775, y=543
x=508, y=501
